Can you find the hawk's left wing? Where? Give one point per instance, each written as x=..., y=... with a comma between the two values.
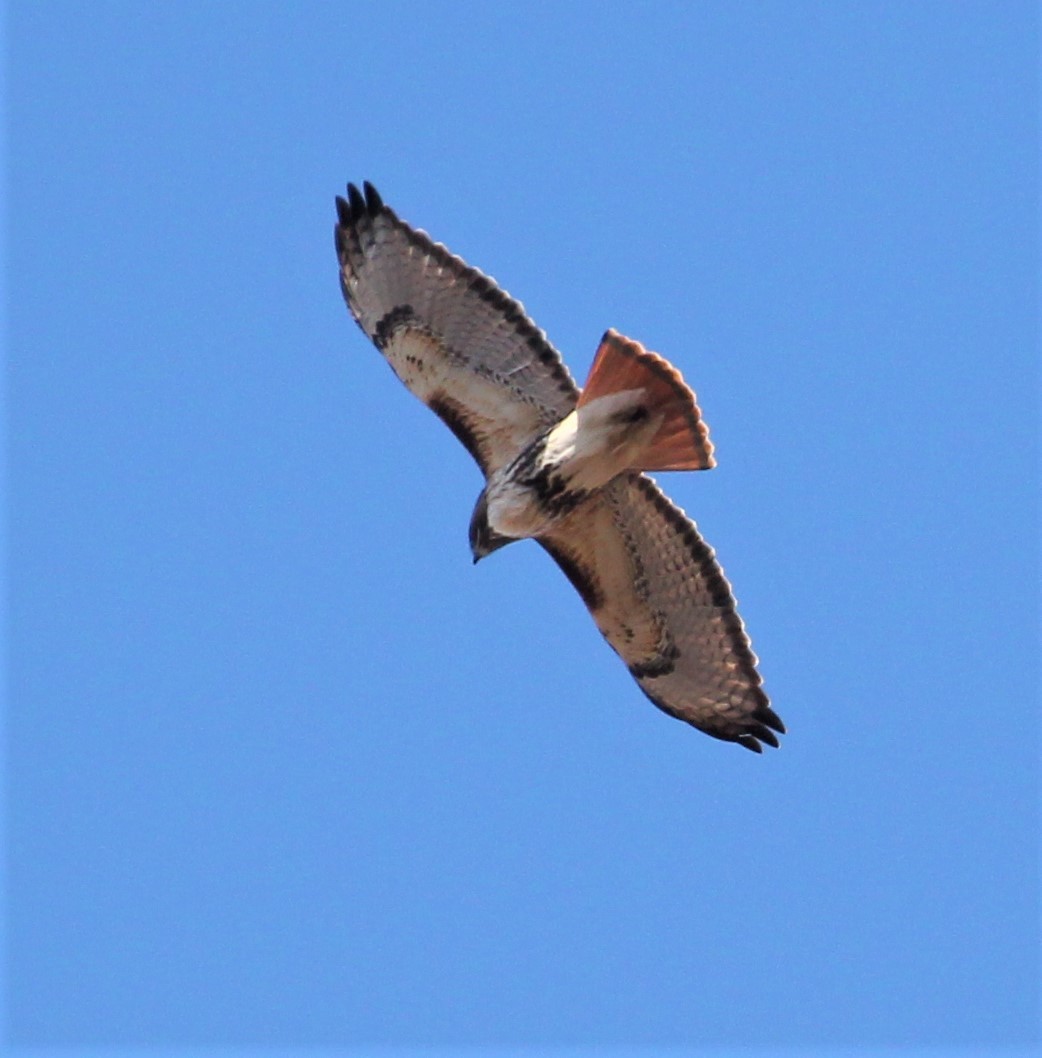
x=460, y=343
x=660, y=598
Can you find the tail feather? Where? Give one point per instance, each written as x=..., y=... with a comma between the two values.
x=682, y=440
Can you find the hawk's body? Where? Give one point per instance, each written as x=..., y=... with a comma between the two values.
x=566, y=466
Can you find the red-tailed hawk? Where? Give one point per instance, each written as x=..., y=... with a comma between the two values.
x=566, y=466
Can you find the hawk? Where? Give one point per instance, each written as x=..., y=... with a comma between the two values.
x=564, y=466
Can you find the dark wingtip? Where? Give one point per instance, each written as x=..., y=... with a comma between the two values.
x=748, y=742
x=358, y=204
x=765, y=714
x=373, y=200
x=356, y=201
x=764, y=734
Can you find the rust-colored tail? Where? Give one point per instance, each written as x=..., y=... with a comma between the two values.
x=682, y=441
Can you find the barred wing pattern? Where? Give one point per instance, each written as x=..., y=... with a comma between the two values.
x=661, y=600
x=461, y=344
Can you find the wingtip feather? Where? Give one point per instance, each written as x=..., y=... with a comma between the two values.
x=764, y=734
x=359, y=204
x=766, y=715
x=356, y=202
x=373, y=201
x=748, y=742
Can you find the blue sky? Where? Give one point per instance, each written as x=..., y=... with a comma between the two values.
x=284, y=770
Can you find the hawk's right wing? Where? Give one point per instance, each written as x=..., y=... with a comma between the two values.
x=660, y=598
x=461, y=344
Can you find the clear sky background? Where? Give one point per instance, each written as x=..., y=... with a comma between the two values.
x=282, y=768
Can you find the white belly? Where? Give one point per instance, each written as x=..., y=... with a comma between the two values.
x=581, y=454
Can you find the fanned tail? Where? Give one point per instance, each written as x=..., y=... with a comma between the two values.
x=682, y=440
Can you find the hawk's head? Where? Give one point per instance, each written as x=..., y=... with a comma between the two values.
x=483, y=538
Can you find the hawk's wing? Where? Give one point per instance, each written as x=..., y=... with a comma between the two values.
x=658, y=595
x=461, y=344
